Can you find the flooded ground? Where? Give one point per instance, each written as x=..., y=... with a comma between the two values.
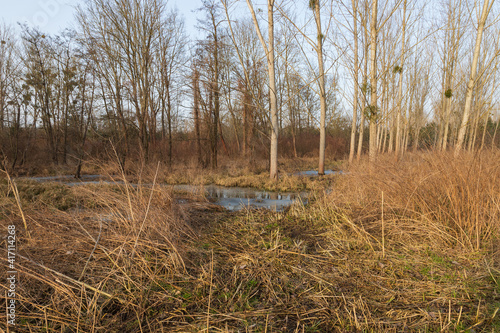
x=67, y=179
x=231, y=198
x=315, y=173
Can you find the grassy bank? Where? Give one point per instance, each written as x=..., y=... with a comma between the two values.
x=409, y=246
x=236, y=172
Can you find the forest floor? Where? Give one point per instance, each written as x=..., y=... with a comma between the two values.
x=412, y=246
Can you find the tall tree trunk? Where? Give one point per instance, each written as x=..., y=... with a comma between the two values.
x=17, y=130
x=163, y=107
x=119, y=109
x=84, y=128
x=169, y=123
x=215, y=87
x=269, y=50
x=391, y=122
x=246, y=106
x=373, y=83
x=272, y=88
x=450, y=71
x=65, y=124
x=322, y=92
x=365, y=99
x=400, y=86
x=446, y=122
x=196, y=111
x=356, y=83
x=472, y=80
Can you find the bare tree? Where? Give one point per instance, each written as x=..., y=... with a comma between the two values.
x=487, y=4
x=373, y=113
x=171, y=61
x=453, y=38
x=86, y=90
x=13, y=96
x=41, y=76
x=130, y=37
x=400, y=85
x=321, y=84
x=269, y=50
x=214, y=44
x=196, y=111
x=7, y=69
x=352, y=145
x=365, y=86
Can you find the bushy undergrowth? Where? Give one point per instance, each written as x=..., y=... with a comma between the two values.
x=411, y=246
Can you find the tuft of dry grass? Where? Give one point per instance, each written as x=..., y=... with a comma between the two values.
x=428, y=196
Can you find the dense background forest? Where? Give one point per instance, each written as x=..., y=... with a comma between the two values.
x=128, y=82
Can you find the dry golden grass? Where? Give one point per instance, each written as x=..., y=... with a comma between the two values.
x=431, y=196
x=94, y=263
x=411, y=246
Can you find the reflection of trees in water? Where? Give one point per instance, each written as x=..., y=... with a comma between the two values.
x=248, y=194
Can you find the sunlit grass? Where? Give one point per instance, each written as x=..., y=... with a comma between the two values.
x=408, y=246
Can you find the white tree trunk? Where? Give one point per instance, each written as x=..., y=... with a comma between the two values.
x=272, y=93
x=472, y=80
x=322, y=92
x=269, y=50
x=373, y=83
x=356, y=85
x=400, y=87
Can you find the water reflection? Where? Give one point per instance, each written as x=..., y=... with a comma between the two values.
x=236, y=198
x=315, y=173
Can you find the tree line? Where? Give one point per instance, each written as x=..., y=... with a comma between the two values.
x=320, y=77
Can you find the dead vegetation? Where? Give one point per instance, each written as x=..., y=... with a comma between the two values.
x=239, y=172
x=408, y=246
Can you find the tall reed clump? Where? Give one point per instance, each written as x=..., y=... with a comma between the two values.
x=432, y=196
x=106, y=264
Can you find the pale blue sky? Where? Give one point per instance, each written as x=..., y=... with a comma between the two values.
x=53, y=16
